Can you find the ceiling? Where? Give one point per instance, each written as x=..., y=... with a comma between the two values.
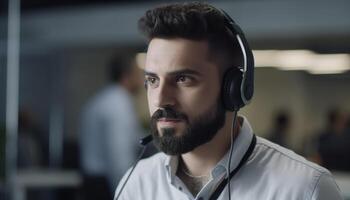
x=319, y=25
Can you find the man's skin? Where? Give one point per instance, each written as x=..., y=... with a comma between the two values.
x=181, y=73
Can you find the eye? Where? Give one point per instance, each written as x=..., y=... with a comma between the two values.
x=151, y=81
x=184, y=79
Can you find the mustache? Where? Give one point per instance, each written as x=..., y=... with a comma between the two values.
x=168, y=112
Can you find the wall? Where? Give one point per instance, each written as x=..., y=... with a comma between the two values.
x=308, y=97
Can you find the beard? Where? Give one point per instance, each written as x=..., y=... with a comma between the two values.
x=199, y=131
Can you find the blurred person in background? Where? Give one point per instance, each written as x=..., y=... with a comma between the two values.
x=110, y=130
x=30, y=147
x=333, y=143
x=279, y=133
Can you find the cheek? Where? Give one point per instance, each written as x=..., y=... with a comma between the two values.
x=199, y=100
x=151, y=107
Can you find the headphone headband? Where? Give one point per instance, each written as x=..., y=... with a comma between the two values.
x=246, y=81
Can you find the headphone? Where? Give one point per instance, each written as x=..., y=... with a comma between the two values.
x=238, y=83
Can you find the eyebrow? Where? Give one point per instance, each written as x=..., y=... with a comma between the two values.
x=176, y=72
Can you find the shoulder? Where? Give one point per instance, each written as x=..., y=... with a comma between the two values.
x=282, y=157
x=149, y=168
x=113, y=93
x=148, y=173
x=271, y=150
x=290, y=172
x=156, y=161
x=110, y=101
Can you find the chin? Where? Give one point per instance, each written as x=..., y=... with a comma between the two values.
x=175, y=130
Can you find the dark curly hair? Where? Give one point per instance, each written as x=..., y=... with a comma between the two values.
x=194, y=21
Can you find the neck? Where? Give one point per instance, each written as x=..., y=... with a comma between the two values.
x=203, y=159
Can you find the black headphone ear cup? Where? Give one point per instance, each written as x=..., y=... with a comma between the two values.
x=231, y=89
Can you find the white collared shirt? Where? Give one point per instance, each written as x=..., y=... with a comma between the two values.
x=271, y=173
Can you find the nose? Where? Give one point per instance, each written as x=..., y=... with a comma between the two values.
x=164, y=95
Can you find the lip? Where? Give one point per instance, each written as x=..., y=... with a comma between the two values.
x=169, y=120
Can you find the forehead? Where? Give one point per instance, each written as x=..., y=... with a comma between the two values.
x=166, y=55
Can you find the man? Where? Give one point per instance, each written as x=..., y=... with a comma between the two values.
x=189, y=53
x=109, y=130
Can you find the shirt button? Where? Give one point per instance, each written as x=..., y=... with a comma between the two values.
x=200, y=198
x=180, y=188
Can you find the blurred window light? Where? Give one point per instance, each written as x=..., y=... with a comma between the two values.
x=303, y=60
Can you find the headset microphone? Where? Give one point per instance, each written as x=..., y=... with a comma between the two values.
x=144, y=142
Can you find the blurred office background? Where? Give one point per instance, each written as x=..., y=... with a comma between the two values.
x=302, y=82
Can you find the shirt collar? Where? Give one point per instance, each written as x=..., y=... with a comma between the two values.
x=241, y=145
x=171, y=164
